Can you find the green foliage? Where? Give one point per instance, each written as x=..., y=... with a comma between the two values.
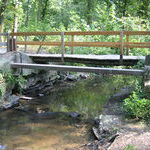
x=12, y=80
x=2, y=85
x=46, y=15
x=80, y=15
x=20, y=83
x=129, y=147
x=9, y=78
x=140, y=64
x=137, y=106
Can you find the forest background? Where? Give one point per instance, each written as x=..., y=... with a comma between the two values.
x=76, y=15
x=71, y=15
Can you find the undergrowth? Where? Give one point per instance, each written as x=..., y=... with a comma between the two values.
x=137, y=106
x=10, y=81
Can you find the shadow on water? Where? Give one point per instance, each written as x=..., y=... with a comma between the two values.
x=87, y=97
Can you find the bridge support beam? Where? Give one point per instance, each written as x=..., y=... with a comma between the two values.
x=147, y=76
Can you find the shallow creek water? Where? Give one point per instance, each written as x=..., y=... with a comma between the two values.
x=19, y=131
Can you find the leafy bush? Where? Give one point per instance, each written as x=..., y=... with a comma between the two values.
x=136, y=106
x=2, y=87
x=12, y=80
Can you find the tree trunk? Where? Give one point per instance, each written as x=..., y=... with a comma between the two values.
x=27, y=14
x=89, y=11
x=15, y=26
x=2, y=10
x=44, y=10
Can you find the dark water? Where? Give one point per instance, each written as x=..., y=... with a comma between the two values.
x=18, y=131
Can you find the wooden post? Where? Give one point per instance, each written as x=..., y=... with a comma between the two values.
x=62, y=46
x=127, y=40
x=121, y=46
x=12, y=44
x=72, y=40
x=147, y=60
x=8, y=43
x=147, y=76
x=25, y=46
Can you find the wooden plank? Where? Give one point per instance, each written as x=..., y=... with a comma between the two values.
x=111, y=60
x=77, y=44
x=81, y=33
x=25, y=46
x=72, y=40
x=88, y=44
x=84, y=56
x=71, y=44
x=67, y=33
x=8, y=43
x=147, y=60
x=127, y=40
x=93, y=33
x=79, y=69
x=34, y=33
x=62, y=46
x=121, y=46
x=137, y=32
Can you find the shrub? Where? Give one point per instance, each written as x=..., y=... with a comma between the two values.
x=138, y=107
x=11, y=81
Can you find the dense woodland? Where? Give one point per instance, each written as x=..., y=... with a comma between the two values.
x=70, y=15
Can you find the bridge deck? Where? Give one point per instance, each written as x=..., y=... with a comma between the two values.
x=87, y=59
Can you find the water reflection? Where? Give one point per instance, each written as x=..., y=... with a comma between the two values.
x=19, y=132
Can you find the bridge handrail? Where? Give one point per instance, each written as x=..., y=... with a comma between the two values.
x=88, y=44
x=82, y=33
x=120, y=44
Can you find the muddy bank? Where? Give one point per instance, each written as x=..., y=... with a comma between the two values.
x=114, y=132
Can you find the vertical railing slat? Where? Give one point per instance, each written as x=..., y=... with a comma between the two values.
x=121, y=46
x=127, y=40
x=25, y=46
x=62, y=46
x=72, y=48
x=8, y=44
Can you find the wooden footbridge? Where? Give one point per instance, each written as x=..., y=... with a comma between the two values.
x=123, y=46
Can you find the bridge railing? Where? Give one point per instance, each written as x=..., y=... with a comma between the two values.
x=122, y=44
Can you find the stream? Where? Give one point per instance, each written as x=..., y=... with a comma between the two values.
x=19, y=130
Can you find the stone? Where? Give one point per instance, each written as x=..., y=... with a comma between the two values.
x=13, y=101
x=83, y=76
x=40, y=95
x=139, y=141
x=109, y=122
x=74, y=114
x=6, y=59
x=71, y=78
